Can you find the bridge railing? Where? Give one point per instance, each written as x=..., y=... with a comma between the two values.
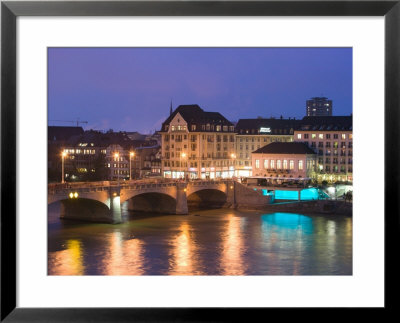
x=55, y=188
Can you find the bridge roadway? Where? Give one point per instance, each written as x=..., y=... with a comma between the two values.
x=101, y=201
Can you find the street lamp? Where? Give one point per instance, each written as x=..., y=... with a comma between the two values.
x=116, y=155
x=233, y=156
x=63, y=155
x=131, y=154
x=182, y=155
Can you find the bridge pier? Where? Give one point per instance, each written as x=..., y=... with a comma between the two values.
x=181, y=199
x=231, y=194
x=115, y=206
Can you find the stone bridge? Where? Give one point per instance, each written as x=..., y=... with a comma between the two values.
x=101, y=201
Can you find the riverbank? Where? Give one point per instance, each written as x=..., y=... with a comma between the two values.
x=329, y=207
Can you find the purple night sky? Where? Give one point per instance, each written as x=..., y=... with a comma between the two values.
x=131, y=89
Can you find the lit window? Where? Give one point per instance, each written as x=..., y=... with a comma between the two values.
x=321, y=136
x=299, y=136
x=279, y=164
x=313, y=136
x=272, y=163
x=300, y=164
x=343, y=136
x=291, y=164
x=257, y=163
x=284, y=164
x=265, y=163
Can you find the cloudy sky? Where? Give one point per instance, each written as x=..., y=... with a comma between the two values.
x=131, y=89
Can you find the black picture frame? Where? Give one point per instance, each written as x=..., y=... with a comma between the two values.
x=10, y=10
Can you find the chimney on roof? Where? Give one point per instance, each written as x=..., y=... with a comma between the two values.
x=170, y=108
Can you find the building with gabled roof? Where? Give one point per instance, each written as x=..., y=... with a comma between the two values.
x=197, y=144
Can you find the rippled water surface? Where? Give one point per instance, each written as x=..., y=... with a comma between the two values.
x=212, y=242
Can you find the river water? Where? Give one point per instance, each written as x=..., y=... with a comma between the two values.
x=207, y=242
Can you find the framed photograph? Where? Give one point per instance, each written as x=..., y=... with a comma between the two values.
x=197, y=158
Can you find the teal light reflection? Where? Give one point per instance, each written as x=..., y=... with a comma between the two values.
x=291, y=221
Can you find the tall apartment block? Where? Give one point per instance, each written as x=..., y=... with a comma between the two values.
x=318, y=106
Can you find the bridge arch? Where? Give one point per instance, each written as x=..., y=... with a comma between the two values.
x=207, y=198
x=154, y=202
x=102, y=197
x=85, y=209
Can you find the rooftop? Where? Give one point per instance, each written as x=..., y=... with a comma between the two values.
x=327, y=123
x=194, y=115
x=285, y=148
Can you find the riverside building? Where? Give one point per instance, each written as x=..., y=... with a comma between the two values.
x=280, y=162
x=252, y=134
x=332, y=140
x=197, y=144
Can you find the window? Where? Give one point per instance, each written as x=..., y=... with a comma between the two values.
x=291, y=164
x=321, y=136
x=306, y=136
x=218, y=128
x=300, y=165
x=313, y=136
x=299, y=136
x=257, y=163
x=284, y=164
x=343, y=136
x=335, y=136
x=279, y=164
x=272, y=163
x=265, y=163
x=193, y=127
x=328, y=136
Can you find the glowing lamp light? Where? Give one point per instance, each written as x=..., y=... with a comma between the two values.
x=114, y=194
x=76, y=194
x=231, y=187
x=71, y=195
x=183, y=155
x=184, y=189
x=116, y=155
x=63, y=154
x=132, y=154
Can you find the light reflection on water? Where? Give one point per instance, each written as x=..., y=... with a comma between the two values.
x=212, y=242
